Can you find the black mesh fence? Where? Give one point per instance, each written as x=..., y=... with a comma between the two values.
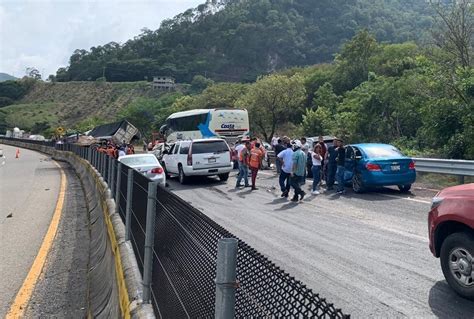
x=184, y=259
x=123, y=191
x=138, y=216
x=184, y=269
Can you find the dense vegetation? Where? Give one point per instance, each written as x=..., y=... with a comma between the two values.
x=241, y=40
x=395, y=93
x=417, y=96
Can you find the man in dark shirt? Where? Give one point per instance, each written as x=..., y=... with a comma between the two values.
x=331, y=165
x=279, y=148
x=341, y=161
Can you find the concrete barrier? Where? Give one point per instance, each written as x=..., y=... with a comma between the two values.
x=115, y=283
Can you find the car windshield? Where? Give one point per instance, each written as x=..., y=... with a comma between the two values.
x=139, y=160
x=382, y=151
x=210, y=147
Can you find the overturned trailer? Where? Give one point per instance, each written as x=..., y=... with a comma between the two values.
x=118, y=132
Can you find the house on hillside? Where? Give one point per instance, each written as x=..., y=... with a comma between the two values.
x=163, y=83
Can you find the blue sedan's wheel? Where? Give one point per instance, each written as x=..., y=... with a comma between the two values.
x=357, y=185
x=404, y=188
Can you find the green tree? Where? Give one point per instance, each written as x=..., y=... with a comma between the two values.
x=352, y=64
x=454, y=31
x=147, y=113
x=272, y=101
x=220, y=95
x=199, y=83
x=317, y=122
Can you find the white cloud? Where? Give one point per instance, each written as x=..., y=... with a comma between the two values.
x=44, y=33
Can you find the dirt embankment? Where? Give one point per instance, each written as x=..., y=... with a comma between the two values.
x=69, y=103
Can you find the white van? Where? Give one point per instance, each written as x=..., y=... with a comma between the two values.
x=202, y=157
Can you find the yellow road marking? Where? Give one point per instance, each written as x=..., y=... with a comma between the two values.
x=23, y=296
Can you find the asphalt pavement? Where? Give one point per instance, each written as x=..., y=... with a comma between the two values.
x=29, y=188
x=366, y=253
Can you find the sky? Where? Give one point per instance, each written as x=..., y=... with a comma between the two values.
x=44, y=33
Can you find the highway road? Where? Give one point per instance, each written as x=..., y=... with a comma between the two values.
x=29, y=191
x=366, y=253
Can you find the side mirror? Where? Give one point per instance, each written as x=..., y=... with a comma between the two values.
x=165, y=152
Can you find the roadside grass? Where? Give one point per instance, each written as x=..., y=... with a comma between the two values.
x=25, y=116
x=440, y=181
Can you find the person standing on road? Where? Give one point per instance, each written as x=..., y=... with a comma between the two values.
x=298, y=171
x=238, y=147
x=121, y=152
x=324, y=150
x=341, y=161
x=316, y=158
x=331, y=163
x=278, y=149
x=285, y=158
x=255, y=162
x=275, y=142
x=243, y=156
x=305, y=148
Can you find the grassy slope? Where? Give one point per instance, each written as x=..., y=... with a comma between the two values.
x=68, y=103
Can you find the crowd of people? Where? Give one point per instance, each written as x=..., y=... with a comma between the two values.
x=116, y=150
x=295, y=160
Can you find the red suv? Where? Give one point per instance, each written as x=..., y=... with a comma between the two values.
x=451, y=230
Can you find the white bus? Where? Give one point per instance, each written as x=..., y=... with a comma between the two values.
x=206, y=123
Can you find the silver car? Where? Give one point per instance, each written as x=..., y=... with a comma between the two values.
x=147, y=164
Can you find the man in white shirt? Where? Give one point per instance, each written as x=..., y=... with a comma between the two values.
x=240, y=146
x=305, y=148
x=274, y=141
x=286, y=158
x=121, y=152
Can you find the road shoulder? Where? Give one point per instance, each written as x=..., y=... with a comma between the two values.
x=62, y=288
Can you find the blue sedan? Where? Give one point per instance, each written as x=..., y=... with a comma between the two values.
x=373, y=165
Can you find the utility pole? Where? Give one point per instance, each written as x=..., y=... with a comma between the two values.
x=103, y=72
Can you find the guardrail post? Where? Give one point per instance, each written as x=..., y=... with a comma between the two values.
x=461, y=179
x=112, y=177
x=128, y=207
x=109, y=169
x=102, y=166
x=149, y=240
x=118, y=179
x=226, y=273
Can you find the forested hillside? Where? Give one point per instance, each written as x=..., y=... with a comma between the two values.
x=238, y=40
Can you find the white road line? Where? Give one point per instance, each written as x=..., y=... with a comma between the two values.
x=408, y=198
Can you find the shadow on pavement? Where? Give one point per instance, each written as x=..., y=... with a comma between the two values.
x=287, y=206
x=445, y=303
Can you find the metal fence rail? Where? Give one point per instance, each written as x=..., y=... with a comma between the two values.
x=184, y=251
x=445, y=166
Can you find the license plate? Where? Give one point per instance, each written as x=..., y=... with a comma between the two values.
x=212, y=160
x=395, y=167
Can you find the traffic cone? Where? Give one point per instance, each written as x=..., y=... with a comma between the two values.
x=17, y=153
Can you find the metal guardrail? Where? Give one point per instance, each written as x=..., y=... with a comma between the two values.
x=445, y=166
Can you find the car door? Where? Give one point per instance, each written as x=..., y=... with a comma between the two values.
x=170, y=160
x=350, y=163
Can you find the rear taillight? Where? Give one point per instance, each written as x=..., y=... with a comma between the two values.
x=190, y=156
x=411, y=165
x=157, y=170
x=372, y=167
